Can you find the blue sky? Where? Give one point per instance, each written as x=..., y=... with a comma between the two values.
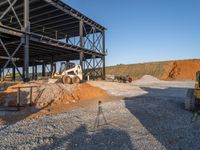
x=146, y=30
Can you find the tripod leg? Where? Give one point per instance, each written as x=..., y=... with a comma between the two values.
x=96, y=121
x=104, y=118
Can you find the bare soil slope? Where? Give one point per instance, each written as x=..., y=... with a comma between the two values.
x=166, y=70
x=51, y=99
x=181, y=70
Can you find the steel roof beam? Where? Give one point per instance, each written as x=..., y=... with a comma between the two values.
x=57, y=27
x=31, y=10
x=46, y=19
x=44, y=13
x=3, y=3
x=10, y=32
x=64, y=31
x=17, y=7
x=65, y=8
x=47, y=48
x=51, y=23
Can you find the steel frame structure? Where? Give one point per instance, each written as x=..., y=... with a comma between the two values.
x=42, y=32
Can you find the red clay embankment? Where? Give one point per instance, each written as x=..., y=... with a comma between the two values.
x=166, y=70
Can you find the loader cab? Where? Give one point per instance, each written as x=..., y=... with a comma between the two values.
x=62, y=67
x=65, y=66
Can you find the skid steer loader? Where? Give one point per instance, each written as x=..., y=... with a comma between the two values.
x=192, y=102
x=69, y=73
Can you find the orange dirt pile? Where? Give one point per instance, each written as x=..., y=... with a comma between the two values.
x=52, y=94
x=87, y=92
x=81, y=96
x=181, y=70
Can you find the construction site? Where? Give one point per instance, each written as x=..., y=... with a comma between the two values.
x=56, y=91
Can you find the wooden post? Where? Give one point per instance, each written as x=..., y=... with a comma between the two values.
x=31, y=91
x=18, y=98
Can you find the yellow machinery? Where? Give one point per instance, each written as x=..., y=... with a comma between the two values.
x=192, y=102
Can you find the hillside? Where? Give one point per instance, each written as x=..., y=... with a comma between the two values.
x=166, y=70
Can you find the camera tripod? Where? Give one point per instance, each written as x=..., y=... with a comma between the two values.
x=99, y=114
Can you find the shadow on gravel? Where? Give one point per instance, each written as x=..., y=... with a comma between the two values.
x=161, y=112
x=81, y=138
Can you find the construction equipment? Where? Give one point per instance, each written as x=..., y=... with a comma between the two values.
x=69, y=73
x=192, y=102
x=120, y=78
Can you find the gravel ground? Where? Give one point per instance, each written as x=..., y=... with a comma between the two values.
x=151, y=116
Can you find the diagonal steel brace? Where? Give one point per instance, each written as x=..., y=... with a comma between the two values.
x=10, y=56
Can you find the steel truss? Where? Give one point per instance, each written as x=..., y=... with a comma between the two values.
x=10, y=58
x=94, y=67
x=42, y=32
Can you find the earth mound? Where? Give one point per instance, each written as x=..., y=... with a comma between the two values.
x=147, y=79
x=46, y=94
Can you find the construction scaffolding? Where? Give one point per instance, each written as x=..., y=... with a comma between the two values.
x=41, y=32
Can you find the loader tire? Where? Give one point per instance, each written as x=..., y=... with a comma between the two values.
x=67, y=80
x=76, y=80
x=190, y=100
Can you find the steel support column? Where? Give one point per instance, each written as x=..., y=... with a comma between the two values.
x=82, y=62
x=33, y=72
x=81, y=42
x=26, y=41
x=103, y=59
x=52, y=64
x=13, y=73
x=67, y=40
x=36, y=73
x=81, y=33
x=93, y=67
x=43, y=70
